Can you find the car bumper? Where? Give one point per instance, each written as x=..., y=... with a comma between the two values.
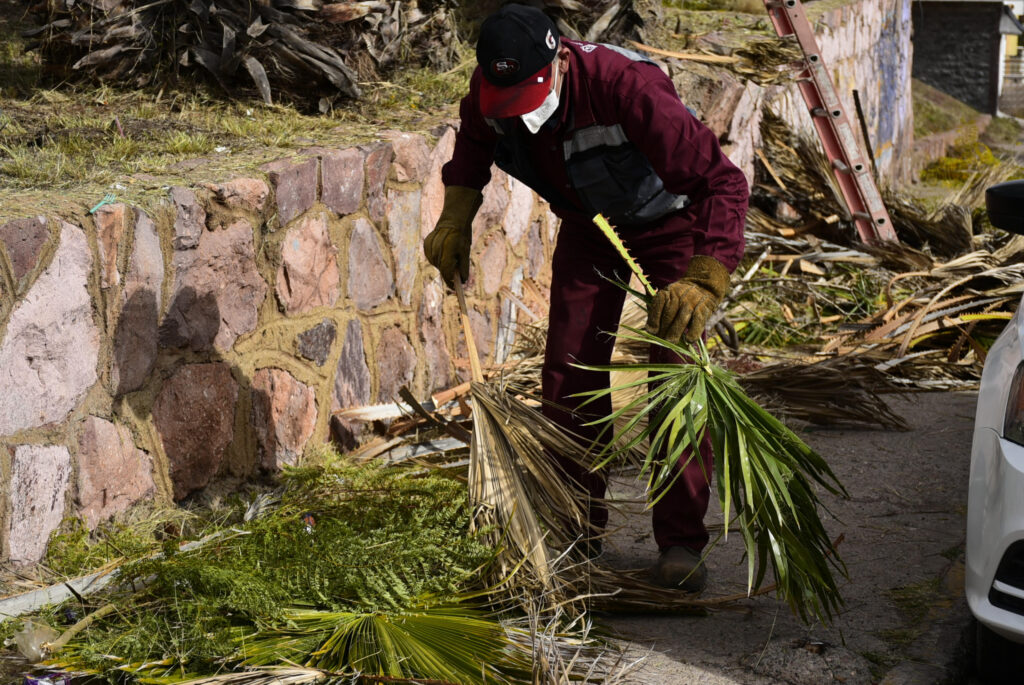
x=995, y=534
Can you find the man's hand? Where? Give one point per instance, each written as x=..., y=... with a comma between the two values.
x=682, y=309
x=447, y=246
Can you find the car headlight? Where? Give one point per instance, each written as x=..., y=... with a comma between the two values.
x=1013, y=423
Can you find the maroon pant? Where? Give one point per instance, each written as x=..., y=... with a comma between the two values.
x=584, y=314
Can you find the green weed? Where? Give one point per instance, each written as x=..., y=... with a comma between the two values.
x=341, y=538
x=961, y=160
x=935, y=111
x=915, y=601
x=185, y=143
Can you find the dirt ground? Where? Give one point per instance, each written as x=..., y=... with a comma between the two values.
x=905, y=619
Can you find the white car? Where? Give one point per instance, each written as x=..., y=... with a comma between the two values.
x=995, y=499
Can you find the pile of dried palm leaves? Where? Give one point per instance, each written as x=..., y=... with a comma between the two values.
x=307, y=50
x=300, y=48
x=918, y=314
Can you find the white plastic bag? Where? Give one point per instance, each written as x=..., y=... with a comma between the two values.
x=31, y=638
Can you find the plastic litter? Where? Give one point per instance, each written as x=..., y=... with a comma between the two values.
x=48, y=679
x=31, y=638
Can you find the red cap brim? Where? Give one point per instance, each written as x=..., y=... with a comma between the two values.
x=502, y=102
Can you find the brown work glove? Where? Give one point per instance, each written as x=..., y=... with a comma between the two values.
x=447, y=246
x=682, y=309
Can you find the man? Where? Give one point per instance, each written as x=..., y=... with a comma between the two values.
x=597, y=129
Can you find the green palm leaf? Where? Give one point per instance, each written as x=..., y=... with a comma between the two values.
x=766, y=475
x=451, y=643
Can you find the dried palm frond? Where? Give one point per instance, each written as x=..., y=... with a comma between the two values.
x=767, y=61
x=945, y=231
x=799, y=162
x=302, y=48
x=836, y=391
x=508, y=498
x=523, y=502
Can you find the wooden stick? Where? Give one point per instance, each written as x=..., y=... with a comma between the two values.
x=692, y=56
x=444, y=396
x=864, y=133
x=474, y=357
x=56, y=645
x=771, y=170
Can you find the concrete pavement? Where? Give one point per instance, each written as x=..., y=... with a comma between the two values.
x=905, y=619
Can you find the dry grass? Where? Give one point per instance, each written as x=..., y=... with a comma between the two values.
x=86, y=141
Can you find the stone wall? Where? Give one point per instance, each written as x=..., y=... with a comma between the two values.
x=152, y=353
x=956, y=48
x=866, y=45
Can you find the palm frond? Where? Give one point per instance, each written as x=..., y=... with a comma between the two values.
x=522, y=497
x=765, y=473
x=449, y=643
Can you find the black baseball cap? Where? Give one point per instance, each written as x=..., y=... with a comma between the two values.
x=516, y=49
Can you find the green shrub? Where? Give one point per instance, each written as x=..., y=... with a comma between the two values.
x=961, y=160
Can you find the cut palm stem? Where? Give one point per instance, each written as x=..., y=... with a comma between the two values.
x=474, y=357
x=515, y=488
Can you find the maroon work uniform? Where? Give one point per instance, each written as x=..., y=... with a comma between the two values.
x=618, y=116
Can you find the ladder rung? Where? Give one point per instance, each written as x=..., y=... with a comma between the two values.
x=822, y=112
x=858, y=188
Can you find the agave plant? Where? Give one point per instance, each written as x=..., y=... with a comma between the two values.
x=766, y=475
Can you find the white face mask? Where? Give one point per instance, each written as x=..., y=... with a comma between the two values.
x=535, y=119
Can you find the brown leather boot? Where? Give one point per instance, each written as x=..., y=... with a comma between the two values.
x=681, y=568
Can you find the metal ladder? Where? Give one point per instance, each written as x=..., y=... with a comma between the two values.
x=844, y=152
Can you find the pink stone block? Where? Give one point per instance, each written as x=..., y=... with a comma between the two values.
x=283, y=415
x=370, y=280
x=194, y=414
x=39, y=481
x=412, y=156
x=110, y=229
x=112, y=473
x=343, y=178
x=249, y=194
x=308, y=276
x=295, y=185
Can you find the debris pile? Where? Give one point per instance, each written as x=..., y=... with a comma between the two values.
x=307, y=50
x=345, y=572
x=278, y=47
x=915, y=315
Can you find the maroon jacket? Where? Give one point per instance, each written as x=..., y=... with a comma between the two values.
x=606, y=88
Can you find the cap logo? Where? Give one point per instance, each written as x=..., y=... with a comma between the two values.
x=504, y=66
x=549, y=40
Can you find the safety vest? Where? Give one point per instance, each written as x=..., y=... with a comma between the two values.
x=609, y=174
